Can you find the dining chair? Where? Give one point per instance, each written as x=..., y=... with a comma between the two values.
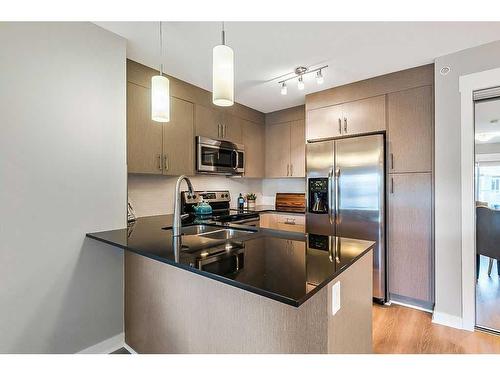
x=487, y=237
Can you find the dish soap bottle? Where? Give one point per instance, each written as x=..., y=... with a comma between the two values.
x=241, y=202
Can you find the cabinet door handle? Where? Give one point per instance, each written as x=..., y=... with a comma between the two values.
x=392, y=160
x=224, y=131
x=340, y=125
x=160, y=167
x=219, y=131
x=291, y=169
x=392, y=185
x=288, y=169
x=166, y=163
x=345, y=124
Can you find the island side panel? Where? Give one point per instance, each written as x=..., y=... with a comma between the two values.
x=350, y=329
x=170, y=310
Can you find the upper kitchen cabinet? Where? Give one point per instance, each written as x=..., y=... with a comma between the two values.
x=169, y=148
x=208, y=122
x=297, y=149
x=285, y=143
x=364, y=116
x=144, y=136
x=178, y=156
x=231, y=128
x=351, y=118
x=324, y=123
x=410, y=130
x=254, y=140
x=214, y=123
x=278, y=150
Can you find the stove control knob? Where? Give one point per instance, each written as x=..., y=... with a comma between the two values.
x=194, y=196
x=189, y=196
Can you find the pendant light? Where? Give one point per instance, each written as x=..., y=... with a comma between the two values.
x=223, y=74
x=160, y=91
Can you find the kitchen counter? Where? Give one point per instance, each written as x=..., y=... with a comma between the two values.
x=284, y=266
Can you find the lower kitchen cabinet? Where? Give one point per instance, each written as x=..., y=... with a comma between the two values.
x=409, y=226
x=178, y=139
x=144, y=136
x=286, y=222
x=254, y=140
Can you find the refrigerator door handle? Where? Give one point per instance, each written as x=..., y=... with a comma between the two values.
x=330, y=175
x=337, y=197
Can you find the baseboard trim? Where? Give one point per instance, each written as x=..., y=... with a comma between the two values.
x=129, y=348
x=448, y=320
x=410, y=306
x=107, y=346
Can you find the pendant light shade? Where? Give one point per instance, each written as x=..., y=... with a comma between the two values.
x=223, y=74
x=160, y=99
x=160, y=91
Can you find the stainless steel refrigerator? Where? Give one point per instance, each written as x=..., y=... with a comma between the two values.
x=345, y=195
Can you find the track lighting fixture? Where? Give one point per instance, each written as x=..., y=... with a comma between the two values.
x=299, y=74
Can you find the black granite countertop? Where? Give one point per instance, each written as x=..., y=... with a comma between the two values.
x=288, y=267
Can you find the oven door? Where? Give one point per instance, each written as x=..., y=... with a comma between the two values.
x=215, y=156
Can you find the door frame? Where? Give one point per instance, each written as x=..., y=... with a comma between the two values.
x=467, y=85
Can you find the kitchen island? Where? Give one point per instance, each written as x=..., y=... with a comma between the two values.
x=237, y=289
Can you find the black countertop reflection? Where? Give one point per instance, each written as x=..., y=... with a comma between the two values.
x=285, y=266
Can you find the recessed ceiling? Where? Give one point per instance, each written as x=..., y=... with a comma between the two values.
x=265, y=51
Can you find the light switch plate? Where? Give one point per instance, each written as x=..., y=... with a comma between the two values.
x=335, y=297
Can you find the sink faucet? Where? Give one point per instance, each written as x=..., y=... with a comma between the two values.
x=177, y=204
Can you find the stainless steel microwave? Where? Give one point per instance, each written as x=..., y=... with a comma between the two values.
x=219, y=157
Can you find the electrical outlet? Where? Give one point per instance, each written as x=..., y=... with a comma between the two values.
x=335, y=297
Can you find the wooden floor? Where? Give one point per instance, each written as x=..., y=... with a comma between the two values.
x=488, y=296
x=398, y=329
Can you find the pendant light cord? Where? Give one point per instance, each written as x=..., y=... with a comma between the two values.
x=223, y=35
x=161, y=50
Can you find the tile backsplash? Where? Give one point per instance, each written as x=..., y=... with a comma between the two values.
x=154, y=195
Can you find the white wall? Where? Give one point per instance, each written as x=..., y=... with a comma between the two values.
x=153, y=195
x=62, y=173
x=448, y=173
x=271, y=186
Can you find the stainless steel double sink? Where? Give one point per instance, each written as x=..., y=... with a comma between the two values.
x=214, y=232
x=196, y=237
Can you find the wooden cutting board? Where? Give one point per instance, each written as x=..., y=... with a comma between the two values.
x=292, y=202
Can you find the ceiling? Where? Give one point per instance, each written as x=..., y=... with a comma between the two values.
x=265, y=51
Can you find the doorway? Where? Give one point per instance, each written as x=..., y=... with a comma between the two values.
x=487, y=208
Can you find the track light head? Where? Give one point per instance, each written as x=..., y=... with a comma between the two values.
x=319, y=77
x=283, y=89
x=300, y=84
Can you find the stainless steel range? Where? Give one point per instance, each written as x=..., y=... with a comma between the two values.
x=220, y=202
